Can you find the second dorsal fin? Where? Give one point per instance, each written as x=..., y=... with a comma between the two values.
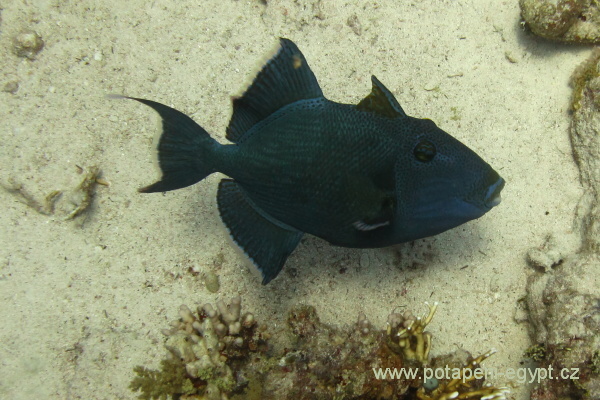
x=381, y=101
x=284, y=79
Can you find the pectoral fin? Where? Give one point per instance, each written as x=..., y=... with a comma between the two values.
x=378, y=217
x=373, y=204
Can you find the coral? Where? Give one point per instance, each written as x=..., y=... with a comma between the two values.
x=536, y=353
x=564, y=312
x=222, y=354
x=326, y=362
x=564, y=20
x=585, y=142
x=407, y=335
x=460, y=386
x=547, y=256
x=203, y=347
x=160, y=384
x=581, y=78
x=563, y=301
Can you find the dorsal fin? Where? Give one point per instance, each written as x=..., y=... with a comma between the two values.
x=284, y=79
x=381, y=101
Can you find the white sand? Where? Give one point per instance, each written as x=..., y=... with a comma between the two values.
x=84, y=301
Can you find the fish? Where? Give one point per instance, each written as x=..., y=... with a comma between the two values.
x=362, y=175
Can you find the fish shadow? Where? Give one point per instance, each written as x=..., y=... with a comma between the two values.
x=316, y=261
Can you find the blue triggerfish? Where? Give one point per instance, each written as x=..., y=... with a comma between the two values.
x=365, y=175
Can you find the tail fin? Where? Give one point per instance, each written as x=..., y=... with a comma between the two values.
x=186, y=152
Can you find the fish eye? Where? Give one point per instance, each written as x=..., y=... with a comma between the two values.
x=424, y=151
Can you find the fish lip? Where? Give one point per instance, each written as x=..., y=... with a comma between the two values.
x=492, y=197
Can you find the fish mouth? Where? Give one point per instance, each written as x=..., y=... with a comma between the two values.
x=492, y=197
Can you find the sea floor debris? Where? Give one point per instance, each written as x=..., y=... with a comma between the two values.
x=45, y=207
x=77, y=201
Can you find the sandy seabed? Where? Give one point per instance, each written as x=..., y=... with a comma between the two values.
x=85, y=300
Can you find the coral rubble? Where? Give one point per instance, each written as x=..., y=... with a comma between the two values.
x=220, y=353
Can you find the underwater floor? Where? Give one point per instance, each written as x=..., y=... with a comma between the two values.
x=92, y=272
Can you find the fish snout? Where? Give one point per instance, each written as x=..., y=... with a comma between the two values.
x=492, y=197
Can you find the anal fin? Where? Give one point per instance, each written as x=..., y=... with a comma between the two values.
x=266, y=241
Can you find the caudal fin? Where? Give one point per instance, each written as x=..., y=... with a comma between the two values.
x=186, y=152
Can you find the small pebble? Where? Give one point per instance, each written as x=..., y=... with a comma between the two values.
x=11, y=87
x=432, y=86
x=431, y=384
x=211, y=280
x=27, y=44
x=510, y=57
x=354, y=24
